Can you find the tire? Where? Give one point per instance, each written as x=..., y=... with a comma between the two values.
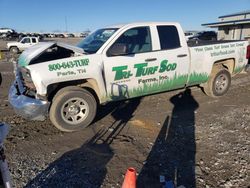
x=218, y=83
x=72, y=110
x=14, y=50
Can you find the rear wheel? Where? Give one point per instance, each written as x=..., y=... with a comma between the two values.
x=218, y=83
x=73, y=110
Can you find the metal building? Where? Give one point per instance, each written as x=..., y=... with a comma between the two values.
x=233, y=26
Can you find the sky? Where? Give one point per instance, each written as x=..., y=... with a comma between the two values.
x=81, y=15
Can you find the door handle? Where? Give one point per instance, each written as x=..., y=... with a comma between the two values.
x=182, y=55
x=150, y=59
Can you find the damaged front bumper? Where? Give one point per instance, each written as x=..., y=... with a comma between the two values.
x=27, y=107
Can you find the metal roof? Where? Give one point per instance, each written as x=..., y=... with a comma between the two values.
x=234, y=22
x=236, y=14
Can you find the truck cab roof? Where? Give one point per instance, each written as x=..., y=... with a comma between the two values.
x=118, y=26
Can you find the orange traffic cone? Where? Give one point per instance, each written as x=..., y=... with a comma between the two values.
x=130, y=179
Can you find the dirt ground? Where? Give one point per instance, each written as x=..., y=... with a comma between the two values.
x=185, y=136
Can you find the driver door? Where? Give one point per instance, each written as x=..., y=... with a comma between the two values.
x=25, y=43
x=129, y=63
x=134, y=67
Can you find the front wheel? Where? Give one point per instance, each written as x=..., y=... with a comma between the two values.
x=73, y=110
x=14, y=50
x=218, y=83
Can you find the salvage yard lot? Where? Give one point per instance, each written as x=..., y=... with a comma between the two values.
x=75, y=40
x=191, y=139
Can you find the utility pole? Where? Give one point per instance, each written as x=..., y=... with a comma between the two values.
x=66, y=25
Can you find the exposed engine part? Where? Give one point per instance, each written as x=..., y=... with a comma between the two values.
x=52, y=53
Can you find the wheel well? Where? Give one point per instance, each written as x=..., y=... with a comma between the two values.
x=229, y=64
x=13, y=47
x=88, y=84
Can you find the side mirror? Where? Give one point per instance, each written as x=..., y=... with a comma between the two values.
x=117, y=49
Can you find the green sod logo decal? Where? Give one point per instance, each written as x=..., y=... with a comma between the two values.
x=142, y=69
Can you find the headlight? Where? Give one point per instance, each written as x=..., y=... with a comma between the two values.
x=27, y=78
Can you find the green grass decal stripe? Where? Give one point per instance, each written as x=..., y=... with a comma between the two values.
x=239, y=69
x=198, y=78
x=177, y=81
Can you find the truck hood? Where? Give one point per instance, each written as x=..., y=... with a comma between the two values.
x=12, y=43
x=39, y=48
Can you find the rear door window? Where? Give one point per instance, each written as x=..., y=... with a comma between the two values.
x=33, y=40
x=169, y=37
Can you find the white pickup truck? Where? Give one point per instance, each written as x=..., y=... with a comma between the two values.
x=22, y=44
x=117, y=63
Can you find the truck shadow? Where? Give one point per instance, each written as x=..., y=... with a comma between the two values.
x=86, y=166
x=173, y=153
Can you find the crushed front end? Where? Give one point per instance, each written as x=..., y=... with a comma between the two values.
x=22, y=97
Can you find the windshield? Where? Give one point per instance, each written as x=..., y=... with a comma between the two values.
x=92, y=43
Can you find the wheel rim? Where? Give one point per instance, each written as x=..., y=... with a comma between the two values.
x=75, y=111
x=14, y=50
x=221, y=83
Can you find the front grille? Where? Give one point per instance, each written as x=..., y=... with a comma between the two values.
x=19, y=82
x=24, y=83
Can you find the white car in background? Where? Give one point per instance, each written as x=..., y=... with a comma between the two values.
x=51, y=35
x=189, y=34
x=6, y=30
x=22, y=44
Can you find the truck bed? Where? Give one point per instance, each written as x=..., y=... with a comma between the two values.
x=194, y=43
